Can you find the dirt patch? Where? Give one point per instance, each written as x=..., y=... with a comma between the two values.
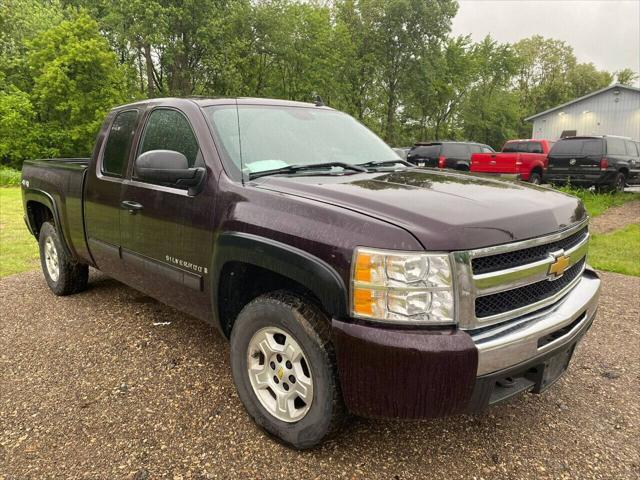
x=99, y=385
x=616, y=218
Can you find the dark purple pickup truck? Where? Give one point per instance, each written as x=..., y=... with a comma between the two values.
x=346, y=279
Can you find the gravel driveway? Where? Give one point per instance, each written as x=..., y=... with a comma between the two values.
x=91, y=386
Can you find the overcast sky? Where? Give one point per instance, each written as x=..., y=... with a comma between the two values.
x=604, y=32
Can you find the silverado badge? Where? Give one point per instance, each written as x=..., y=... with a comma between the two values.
x=572, y=161
x=560, y=264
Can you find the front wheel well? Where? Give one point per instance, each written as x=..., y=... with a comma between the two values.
x=240, y=282
x=37, y=214
x=537, y=169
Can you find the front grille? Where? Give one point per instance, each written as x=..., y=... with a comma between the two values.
x=502, y=302
x=524, y=256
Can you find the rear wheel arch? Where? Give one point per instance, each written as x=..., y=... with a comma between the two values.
x=246, y=266
x=37, y=214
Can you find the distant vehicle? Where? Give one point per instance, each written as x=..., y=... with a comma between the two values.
x=609, y=163
x=524, y=159
x=456, y=155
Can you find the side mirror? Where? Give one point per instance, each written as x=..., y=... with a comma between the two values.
x=169, y=167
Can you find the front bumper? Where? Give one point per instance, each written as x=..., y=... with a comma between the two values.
x=408, y=373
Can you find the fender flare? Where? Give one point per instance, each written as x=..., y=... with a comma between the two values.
x=313, y=273
x=40, y=196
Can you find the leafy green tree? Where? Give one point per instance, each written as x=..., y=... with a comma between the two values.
x=626, y=76
x=77, y=79
x=17, y=133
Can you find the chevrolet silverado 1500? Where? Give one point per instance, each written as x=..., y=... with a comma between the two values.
x=346, y=279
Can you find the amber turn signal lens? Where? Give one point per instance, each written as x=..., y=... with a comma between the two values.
x=363, y=268
x=363, y=301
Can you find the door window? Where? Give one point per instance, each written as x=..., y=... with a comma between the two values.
x=116, y=151
x=475, y=148
x=169, y=129
x=487, y=150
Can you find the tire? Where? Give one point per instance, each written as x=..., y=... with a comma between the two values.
x=535, y=178
x=63, y=274
x=617, y=184
x=301, y=323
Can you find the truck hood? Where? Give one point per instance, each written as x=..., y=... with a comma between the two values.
x=444, y=211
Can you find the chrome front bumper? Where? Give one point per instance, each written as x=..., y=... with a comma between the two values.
x=533, y=335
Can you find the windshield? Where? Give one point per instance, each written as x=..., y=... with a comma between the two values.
x=260, y=138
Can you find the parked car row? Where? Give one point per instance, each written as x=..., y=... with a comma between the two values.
x=605, y=162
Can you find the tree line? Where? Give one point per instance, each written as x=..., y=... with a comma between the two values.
x=393, y=64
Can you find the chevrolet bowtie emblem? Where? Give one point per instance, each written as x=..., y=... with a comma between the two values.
x=558, y=267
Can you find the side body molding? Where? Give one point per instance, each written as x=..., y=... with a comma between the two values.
x=308, y=270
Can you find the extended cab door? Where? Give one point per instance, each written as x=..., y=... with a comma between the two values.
x=103, y=190
x=166, y=233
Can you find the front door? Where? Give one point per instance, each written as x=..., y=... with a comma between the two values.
x=157, y=236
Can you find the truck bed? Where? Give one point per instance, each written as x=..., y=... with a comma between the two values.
x=58, y=183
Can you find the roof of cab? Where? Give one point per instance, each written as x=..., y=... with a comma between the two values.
x=211, y=101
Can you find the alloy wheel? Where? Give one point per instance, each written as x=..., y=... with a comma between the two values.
x=279, y=374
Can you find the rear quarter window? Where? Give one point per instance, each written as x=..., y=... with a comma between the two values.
x=425, y=151
x=578, y=146
x=615, y=146
x=116, y=150
x=459, y=150
x=632, y=148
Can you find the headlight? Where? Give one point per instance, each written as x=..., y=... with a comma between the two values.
x=402, y=287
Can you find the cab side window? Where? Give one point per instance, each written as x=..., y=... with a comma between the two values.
x=116, y=150
x=168, y=129
x=535, y=147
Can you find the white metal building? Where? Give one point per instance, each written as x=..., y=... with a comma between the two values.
x=614, y=110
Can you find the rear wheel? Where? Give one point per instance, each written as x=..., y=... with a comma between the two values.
x=63, y=274
x=617, y=184
x=535, y=178
x=283, y=367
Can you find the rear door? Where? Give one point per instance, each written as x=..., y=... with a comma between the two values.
x=103, y=190
x=575, y=156
x=457, y=155
x=634, y=160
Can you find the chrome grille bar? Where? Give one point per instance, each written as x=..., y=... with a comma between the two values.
x=470, y=286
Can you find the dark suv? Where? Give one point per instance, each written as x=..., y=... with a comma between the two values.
x=456, y=155
x=606, y=162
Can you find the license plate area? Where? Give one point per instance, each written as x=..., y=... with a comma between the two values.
x=548, y=372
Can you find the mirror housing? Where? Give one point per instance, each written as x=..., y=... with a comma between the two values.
x=169, y=167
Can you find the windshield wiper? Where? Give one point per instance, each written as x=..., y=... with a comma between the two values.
x=384, y=163
x=311, y=166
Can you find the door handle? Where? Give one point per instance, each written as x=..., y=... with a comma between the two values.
x=133, y=207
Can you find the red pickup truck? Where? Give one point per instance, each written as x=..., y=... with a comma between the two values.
x=524, y=159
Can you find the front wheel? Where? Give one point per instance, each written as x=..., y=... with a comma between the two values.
x=63, y=274
x=283, y=367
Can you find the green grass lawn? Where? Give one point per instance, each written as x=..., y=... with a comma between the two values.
x=18, y=249
x=596, y=203
x=617, y=251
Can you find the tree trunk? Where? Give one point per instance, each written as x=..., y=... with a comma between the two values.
x=151, y=91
